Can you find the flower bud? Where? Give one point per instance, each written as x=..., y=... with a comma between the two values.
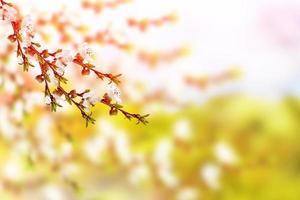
x=85, y=71
x=40, y=78
x=113, y=111
x=72, y=94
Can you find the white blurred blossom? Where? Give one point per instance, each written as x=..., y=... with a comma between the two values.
x=94, y=147
x=182, y=129
x=224, y=153
x=121, y=145
x=138, y=173
x=187, y=193
x=65, y=56
x=167, y=177
x=53, y=192
x=210, y=174
x=86, y=52
x=114, y=92
x=9, y=13
x=52, y=78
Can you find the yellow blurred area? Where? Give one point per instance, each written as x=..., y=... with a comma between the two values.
x=252, y=143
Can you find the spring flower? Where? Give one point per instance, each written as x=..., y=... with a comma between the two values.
x=47, y=100
x=27, y=25
x=225, y=154
x=210, y=174
x=182, y=130
x=9, y=13
x=89, y=100
x=12, y=170
x=187, y=193
x=86, y=52
x=52, y=78
x=53, y=192
x=27, y=31
x=168, y=178
x=138, y=173
x=121, y=146
x=60, y=68
x=65, y=56
x=94, y=147
x=60, y=100
x=114, y=92
x=86, y=105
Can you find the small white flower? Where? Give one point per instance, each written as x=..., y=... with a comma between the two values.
x=60, y=100
x=187, y=193
x=52, y=78
x=9, y=13
x=27, y=31
x=60, y=68
x=86, y=52
x=182, y=129
x=26, y=40
x=138, y=173
x=168, y=178
x=225, y=154
x=27, y=25
x=47, y=100
x=66, y=150
x=94, y=147
x=53, y=192
x=91, y=99
x=86, y=105
x=210, y=173
x=12, y=170
x=65, y=56
x=114, y=92
x=121, y=146
x=162, y=153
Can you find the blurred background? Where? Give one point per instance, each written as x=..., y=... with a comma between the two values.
x=219, y=78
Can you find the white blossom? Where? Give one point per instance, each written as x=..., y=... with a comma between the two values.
x=210, y=173
x=9, y=13
x=60, y=68
x=47, y=100
x=91, y=99
x=94, y=147
x=60, y=100
x=225, y=154
x=168, y=178
x=27, y=25
x=52, y=78
x=86, y=105
x=52, y=192
x=121, y=145
x=187, y=193
x=182, y=129
x=138, y=173
x=12, y=170
x=86, y=52
x=162, y=153
x=66, y=150
x=114, y=92
x=65, y=56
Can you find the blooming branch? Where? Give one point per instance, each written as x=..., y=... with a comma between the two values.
x=52, y=69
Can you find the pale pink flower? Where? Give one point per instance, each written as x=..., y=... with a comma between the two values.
x=86, y=52
x=47, y=100
x=52, y=78
x=65, y=56
x=9, y=13
x=114, y=92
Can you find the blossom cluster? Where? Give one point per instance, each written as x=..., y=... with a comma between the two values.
x=52, y=67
